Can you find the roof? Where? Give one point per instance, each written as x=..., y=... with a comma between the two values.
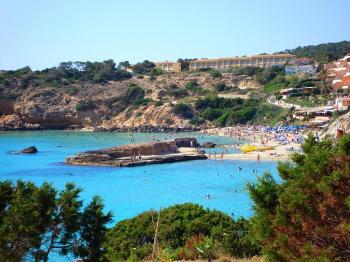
x=165, y=63
x=244, y=58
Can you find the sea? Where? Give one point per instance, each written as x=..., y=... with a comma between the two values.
x=129, y=191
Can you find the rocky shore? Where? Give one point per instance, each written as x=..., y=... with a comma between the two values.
x=181, y=149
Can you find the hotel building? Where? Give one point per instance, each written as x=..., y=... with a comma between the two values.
x=256, y=61
x=169, y=66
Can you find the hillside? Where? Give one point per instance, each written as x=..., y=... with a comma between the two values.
x=322, y=53
x=103, y=96
x=129, y=102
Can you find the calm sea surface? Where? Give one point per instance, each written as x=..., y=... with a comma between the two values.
x=130, y=191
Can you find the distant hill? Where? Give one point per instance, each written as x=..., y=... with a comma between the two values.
x=322, y=53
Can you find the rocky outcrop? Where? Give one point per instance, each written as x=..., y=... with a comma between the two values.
x=140, y=154
x=29, y=150
x=15, y=122
x=208, y=145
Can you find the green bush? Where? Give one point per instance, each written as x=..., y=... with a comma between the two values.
x=141, y=102
x=177, y=93
x=222, y=87
x=211, y=114
x=73, y=90
x=132, y=94
x=85, y=105
x=215, y=74
x=183, y=110
x=178, y=225
x=143, y=68
x=194, y=87
x=306, y=216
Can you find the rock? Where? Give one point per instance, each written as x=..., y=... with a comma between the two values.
x=186, y=142
x=140, y=154
x=29, y=150
x=208, y=145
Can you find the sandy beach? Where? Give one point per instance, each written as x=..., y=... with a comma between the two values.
x=281, y=144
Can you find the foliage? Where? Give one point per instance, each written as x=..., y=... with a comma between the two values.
x=268, y=74
x=222, y=87
x=177, y=93
x=211, y=114
x=215, y=74
x=133, y=95
x=185, y=63
x=124, y=64
x=179, y=226
x=183, y=110
x=307, y=216
x=217, y=102
x=248, y=70
x=38, y=220
x=195, y=88
x=226, y=111
x=197, y=121
x=67, y=73
x=85, y=105
x=323, y=53
x=143, y=68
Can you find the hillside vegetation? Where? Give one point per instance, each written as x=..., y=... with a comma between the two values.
x=322, y=53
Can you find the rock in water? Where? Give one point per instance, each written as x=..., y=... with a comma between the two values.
x=182, y=149
x=208, y=145
x=186, y=142
x=29, y=150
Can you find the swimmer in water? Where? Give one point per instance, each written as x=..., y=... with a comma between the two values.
x=239, y=168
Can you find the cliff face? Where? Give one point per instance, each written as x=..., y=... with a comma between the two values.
x=98, y=105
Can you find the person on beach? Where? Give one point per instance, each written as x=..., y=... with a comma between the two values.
x=258, y=157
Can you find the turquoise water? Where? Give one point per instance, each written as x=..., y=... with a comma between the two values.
x=130, y=191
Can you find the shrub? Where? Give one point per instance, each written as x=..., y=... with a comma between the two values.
x=211, y=114
x=194, y=87
x=158, y=103
x=85, y=105
x=221, y=87
x=183, y=110
x=141, y=102
x=180, y=227
x=177, y=93
x=73, y=90
x=215, y=74
x=143, y=68
x=306, y=217
x=197, y=121
x=133, y=93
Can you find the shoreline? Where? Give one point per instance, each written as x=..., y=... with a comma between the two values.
x=242, y=134
x=251, y=135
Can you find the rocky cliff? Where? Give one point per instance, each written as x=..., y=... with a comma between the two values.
x=100, y=106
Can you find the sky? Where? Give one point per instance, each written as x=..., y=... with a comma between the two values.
x=43, y=33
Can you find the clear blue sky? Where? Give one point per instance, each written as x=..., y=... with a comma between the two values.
x=42, y=33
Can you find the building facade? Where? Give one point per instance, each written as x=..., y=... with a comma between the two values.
x=256, y=61
x=338, y=73
x=300, y=70
x=169, y=66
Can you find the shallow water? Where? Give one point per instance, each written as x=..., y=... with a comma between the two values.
x=130, y=191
